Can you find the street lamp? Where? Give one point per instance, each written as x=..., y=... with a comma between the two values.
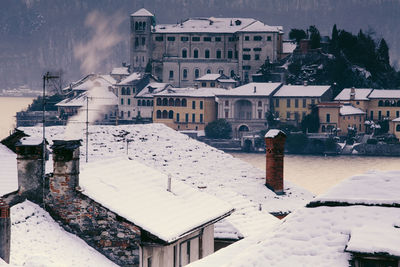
x=46, y=78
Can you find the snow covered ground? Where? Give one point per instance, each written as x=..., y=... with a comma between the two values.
x=197, y=164
x=37, y=240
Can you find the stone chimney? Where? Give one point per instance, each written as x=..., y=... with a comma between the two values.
x=65, y=179
x=352, y=93
x=5, y=231
x=30, y=168
x=275, y=145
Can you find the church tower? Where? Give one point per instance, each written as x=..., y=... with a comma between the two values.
x=140, y=39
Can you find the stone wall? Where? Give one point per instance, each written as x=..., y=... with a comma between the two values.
x=378, y=149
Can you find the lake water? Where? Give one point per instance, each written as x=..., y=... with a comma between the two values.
x=317, y=173
x=8, y=107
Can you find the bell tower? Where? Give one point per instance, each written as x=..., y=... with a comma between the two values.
x=140, y=39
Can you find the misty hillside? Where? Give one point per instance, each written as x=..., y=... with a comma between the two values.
x=40, y=35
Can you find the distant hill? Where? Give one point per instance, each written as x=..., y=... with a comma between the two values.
x=40, y=35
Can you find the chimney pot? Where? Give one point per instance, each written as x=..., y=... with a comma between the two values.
x=5, y=231
x=275, y=145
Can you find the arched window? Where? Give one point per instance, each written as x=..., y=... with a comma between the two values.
x=323, y=128
x=143, y=102
x=207, y=53
x=136, y=26
x=144, y=25
x=128, y=91
x=171, y=102
x=123, y=91
x=196, y=73
x=184, y=53
x=398, y=103
x=140, y=26
x=129, y=114
x=148, y=103
x=259, y=103
x=165, y=102
x=165, y=114
x=158, y=101
x=152, y=102
x=208, y=71
x=232, y=73
x=170, y=114
x=196, y=53
x=158, y=114
x=139, y=102
x=398, y=128
x=387, y=103
x=177, y=102
x=219, y=53
x=184, y=102
x=380, y=103
x=221, y=71
x=185, y=74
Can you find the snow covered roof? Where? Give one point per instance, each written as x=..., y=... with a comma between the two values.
x=8, y=173
x=142, y=13
x=131, y=78
x=191, y=92
x=251, y=89
x=30, y=141
x=273, y=133
x=360, y=94
x=120, y=71
x=258, y=26
x=37, y=240
x=288, y=47
x=216, y=25
x=383, y=93
x=350, y=110
x=139, y=194
x=97, y=96
x=371, y=188
x=319, y=235
x=155, y=87
x=209, y=77
x=371, y=240
x=198, y=165
x=94, y=81
x=302, y=91
x=396, y=120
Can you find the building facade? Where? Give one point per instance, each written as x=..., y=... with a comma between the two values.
x=181, y=53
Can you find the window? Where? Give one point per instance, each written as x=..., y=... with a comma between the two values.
x=207, y=39
x=372, y=115
x=186, y=117
x=122, y=114
x=171, y=74
x=230, y=53
x=193, y=117
x=171, y=102
x=219, y=53
x=188, y=249
x=379, y=115
x=312, y=101
x=171, y=38
x=257, y=38
x=256, y=57
x=304, y=103
x=288, y=103
x=164, y=114
x=177, y=117
x=201, y=117
x=193, y=104
x=159, y=38
x=236, y=54
x=247, y=38
x=129, y=114
x=203, y=84
x=328, y=117
x=259, y=104
x=288, y=115
x=184, y=102
x=136, y=42
x=218, y=39
x=148, y=103
x=323, y=129
x=207, y=53
x=246, y=67
x=296, y=103
x=196, y=39
x=257, y=49
x=380, y=103
x=129, y=101
x=226, y=103
x=196, y=73
x=136, y=26
x=259, y=114
x=201, y=104
x=397, y=114
x=246, y=49
x=158, y=101
x=221, y=71
x=149, y=262
x=122, y=101
x=139, y=103
x=388, y=113
x=177, y=102
x=232, y=73
x=128, y=91
x=208, y=71
x=277, y=103
x=170, y=114
x=184, y=53
x=226, y=113
x=143, y=40
x=212, y=84
x=246, y=57
x=165, y=102
x=196, y=53
x=398, y=128
x=184, y=38
x=185, y=74
x=158, y=114
x=123, y=91
x=269, y=38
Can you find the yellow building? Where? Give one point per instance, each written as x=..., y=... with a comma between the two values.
x=384, y=104
x=394, y=127
x=185, y=108
x=291, y=103
x=357, y=97
x=339, y=118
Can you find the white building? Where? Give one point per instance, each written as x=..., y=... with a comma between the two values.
x=180, y=53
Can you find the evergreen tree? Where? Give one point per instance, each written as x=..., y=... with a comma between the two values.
x=334, y=40
x=383, y=52
x=297, y=34
x=315, y=37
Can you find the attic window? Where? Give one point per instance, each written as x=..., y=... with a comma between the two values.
x=196, y=39
x=238, y=22
x=257, y=38
x=184, y=38
x=257, y=49
x=159, y=38
x=171, y=38
x=218, y=39
x=207, y=39
x=247, y=38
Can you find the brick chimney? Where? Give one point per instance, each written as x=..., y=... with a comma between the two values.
x=275, y=145
x=352, y=93
x=30, y=168
x=65, y=178
x=5, y=231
